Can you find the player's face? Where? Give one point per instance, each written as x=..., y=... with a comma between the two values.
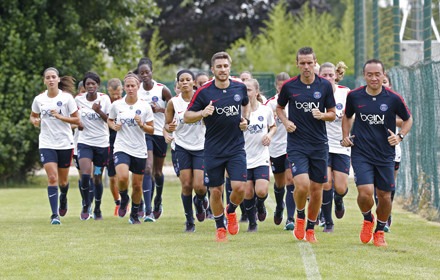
x=131, y=86
x=221, y=69
x=51, y=79
x=115, y=94
x=245, y=76
x=386, y=82
x=200, y=80
x=279, y=85
x=145, y=73
x=251, y=90
x=329, y=74
x=306, y=64
x=374, y=76
x=186, y=83
x=91, y=86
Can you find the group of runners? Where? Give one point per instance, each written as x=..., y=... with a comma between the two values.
x=224, y=134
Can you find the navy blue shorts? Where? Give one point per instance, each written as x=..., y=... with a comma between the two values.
x=382, y=177
x=189, y=159
x=111, y=163
x=215, y=169
x=157, y=144
x=279, y=164
x=312, y=162
x=135, y=164
x=175, y=163
x=62, y=157
x=75, y=161
x=339, y=162
x=396, y=165
x=257, y=173
x=98, y=155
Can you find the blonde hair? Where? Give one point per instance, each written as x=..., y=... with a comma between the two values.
x=340, y=70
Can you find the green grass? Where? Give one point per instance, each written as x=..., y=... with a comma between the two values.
x=31, y=248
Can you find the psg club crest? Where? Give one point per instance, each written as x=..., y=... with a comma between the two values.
x=138, y=112
x=260, y=118
x=237, y=97
x=317, y=95
x=59, y=103
x=383, y=107
x=155, y=99
x=339, y=106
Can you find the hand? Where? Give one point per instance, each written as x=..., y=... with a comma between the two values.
x=80, y=126
x=243, y=124
x=117, y=127
x=317, y=114
x=209, y=110
x=36, y=122
x=347, y=141
x=290, y=126
x=393, y=139
x=168, y=138
x=96, y=107
x=138, y=120
x=266, y=140
x=172, y=126
x=55, y=114
x=155, y=107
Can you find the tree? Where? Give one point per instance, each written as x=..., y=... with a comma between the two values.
x=70, y=35
x=193, y=30
x=274, y=49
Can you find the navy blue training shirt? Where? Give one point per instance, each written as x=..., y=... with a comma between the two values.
x=302, y=98
x=223, y=135
x=374, y=115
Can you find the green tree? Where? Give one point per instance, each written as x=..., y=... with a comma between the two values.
x=274, y=49
x=70, y=35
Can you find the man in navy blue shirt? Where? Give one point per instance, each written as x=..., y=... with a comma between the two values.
x=373, y=145
x=223, y=105
x=311, y=104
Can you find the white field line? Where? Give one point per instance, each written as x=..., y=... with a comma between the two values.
x=308, y=256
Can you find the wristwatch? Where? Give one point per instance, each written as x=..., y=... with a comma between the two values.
x=401, y=136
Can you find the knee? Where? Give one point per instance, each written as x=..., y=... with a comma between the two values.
x=52, y=179
x=186, y=189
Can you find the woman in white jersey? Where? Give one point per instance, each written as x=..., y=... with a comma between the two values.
x=189, y=139
x=257, y=136
x=280, y=164
x=131, y=117
x=156, y=95
x=93, y=141
x=339, y=157
x=54, y=111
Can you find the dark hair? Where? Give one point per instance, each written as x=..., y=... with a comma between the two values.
x=389, y=80
x=373, y=61
x=93, y=76
x=201, y=74
x=305, y=51
x=142, y=61
x=183, y=72
x=221, y=55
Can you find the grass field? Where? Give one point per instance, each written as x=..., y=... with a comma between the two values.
x=31, y=248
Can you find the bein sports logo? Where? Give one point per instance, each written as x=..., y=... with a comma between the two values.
x=306, y=106
x=92, y=116
x=373, y=119
x=47, y=113
x=255, y=128
x=229, y=111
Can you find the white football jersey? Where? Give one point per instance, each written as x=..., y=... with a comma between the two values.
x=278, y=145
x=334, y=128
x=54, y=133
x=131, y=138
x=260, y=122
x=155, y=95
x=95, y=132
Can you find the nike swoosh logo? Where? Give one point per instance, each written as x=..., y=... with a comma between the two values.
x=361, y=106
x=213, y=101
x=180, y=112
x=52, y=195
x=296, y=95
